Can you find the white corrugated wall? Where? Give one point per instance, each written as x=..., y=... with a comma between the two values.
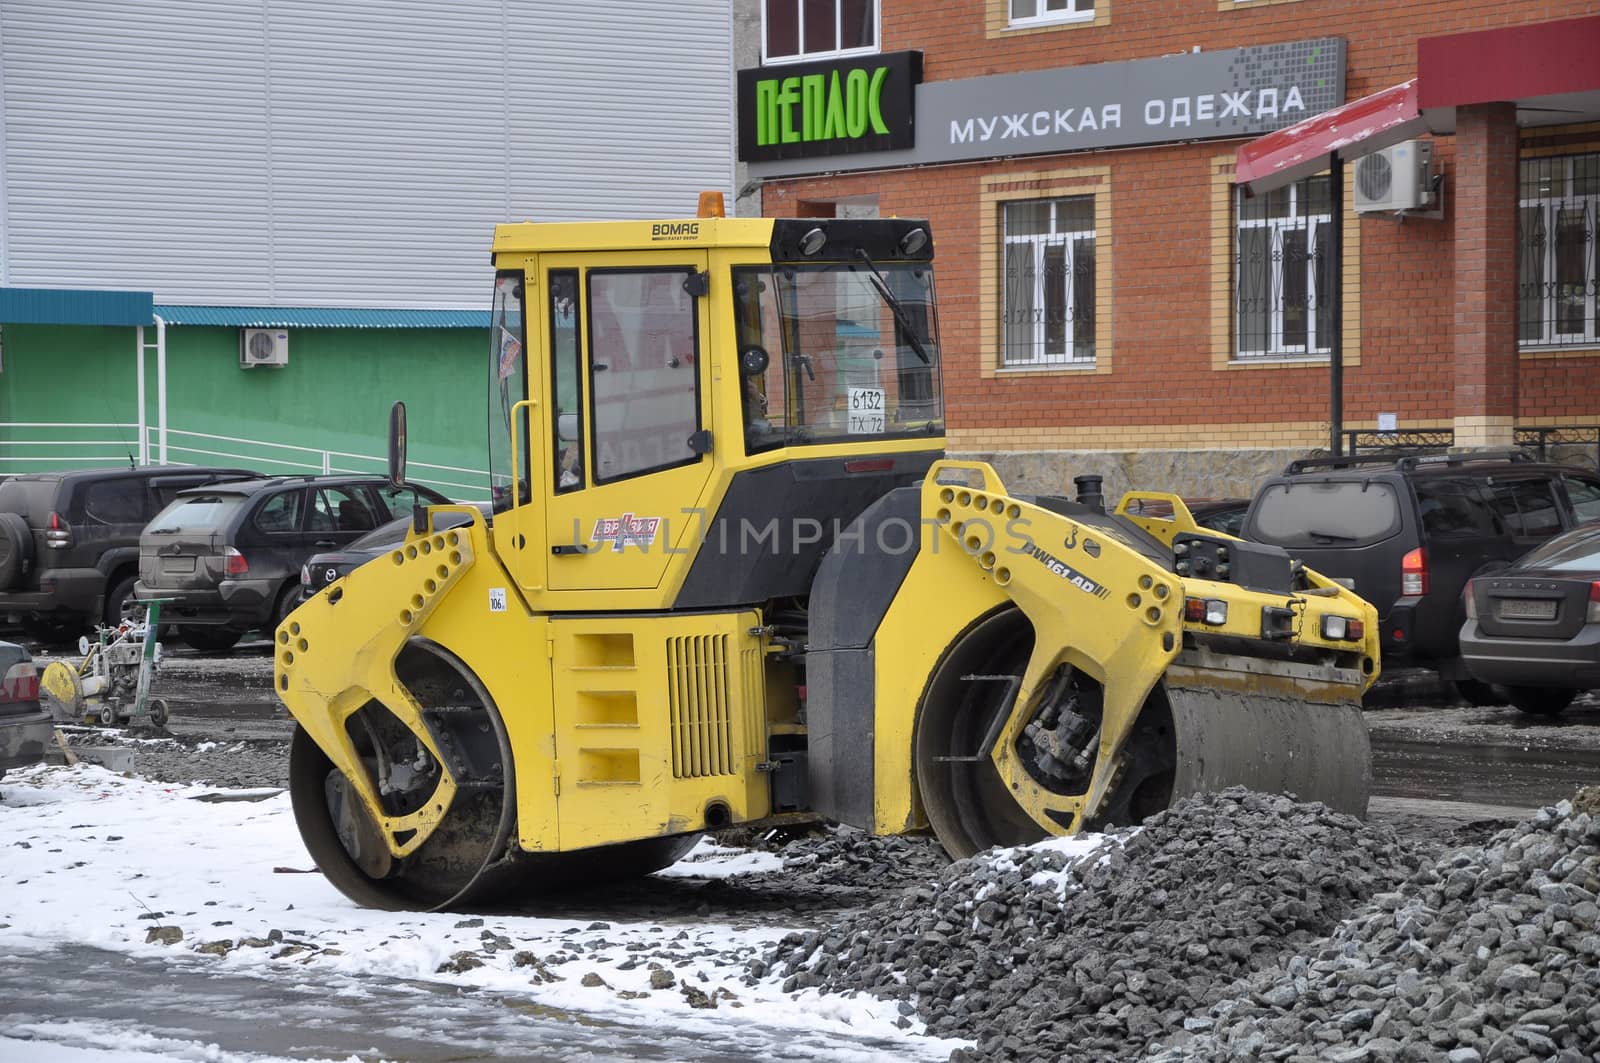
x=342, y=152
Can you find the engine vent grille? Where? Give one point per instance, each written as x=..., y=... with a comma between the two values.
x=699, y=713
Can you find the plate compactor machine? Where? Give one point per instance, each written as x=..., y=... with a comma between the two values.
x=730, y=578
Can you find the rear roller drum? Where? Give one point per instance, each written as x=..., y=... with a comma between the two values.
x=472, y=857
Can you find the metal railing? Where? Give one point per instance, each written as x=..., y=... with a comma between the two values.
x=45, y=446
x=1541, y=439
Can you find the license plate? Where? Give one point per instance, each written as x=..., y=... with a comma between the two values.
x=866, y=410
x=177, y=564
x=1527, y=609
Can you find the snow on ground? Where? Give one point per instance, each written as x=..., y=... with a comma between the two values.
x=91, y=857
x=82, y=1042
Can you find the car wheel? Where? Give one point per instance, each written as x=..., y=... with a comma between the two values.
x=16, y=547
x=119, y=597
x=288, y=601
x=208, y=639
x=1477, y=692
x=1541, y=701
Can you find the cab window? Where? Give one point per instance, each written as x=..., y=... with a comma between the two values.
x=566, y=374
x=644, y=356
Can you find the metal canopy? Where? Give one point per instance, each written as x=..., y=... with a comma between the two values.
x=1357, y=128
x=74, y=306
x=320, y=317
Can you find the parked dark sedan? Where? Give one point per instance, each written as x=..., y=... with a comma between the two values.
x=1534, y=628
x=322, y=569
x=229, y=555
x=25, y=725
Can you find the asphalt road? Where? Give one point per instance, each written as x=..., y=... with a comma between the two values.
x=1432, y=756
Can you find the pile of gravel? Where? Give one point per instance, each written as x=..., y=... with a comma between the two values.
x=1490, y=953
x=844, y=857
x=1038, y=954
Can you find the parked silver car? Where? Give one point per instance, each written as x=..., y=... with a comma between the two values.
x=1534, y=628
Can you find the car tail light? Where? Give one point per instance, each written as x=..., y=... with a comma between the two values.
x=233, y=562
x=57, y=533
x=1470, y=602
x=1414, y=573
x=1594, y=603
x=305, y=575
x=21, y=683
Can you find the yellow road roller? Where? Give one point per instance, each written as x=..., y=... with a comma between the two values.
x=730, y=578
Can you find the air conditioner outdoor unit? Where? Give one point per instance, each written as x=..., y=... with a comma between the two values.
x=263, y=346
x=1395, y=178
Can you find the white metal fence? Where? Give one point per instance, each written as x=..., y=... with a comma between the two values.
x=40, y=446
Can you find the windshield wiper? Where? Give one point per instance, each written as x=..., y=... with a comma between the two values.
x=1332, y=537
x=902, y=318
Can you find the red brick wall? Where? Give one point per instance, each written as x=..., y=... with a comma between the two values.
x=1161, y=231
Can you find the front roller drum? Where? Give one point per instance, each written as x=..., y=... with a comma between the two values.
x=1211, y=723
x=1252, y=729
x=471, y=858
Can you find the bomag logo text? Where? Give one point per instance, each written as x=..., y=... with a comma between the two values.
x=675, y=230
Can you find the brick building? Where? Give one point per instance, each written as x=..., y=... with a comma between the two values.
x=1108, y=286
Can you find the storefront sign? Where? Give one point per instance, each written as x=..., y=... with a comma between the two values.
x=1236, y=92
x=835, y=107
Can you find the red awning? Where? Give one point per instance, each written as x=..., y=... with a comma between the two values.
x=1359, y=127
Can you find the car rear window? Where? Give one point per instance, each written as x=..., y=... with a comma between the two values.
x=1326, y=513
x=1585, y=498
x=195, y=511
x=33, y=499
x=1577, y=552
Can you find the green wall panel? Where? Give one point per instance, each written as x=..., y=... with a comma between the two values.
x=334, y=395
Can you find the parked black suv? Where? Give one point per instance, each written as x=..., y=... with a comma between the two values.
x=1411, y=531
x=69, y=541
x=230, y=554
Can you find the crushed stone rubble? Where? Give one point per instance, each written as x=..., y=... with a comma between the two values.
x=1044, y=954
x=1489, y=953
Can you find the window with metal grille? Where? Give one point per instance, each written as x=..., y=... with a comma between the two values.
x=1049, y=277
x=793, y=30
x=1558, y=252
x=1282, y=276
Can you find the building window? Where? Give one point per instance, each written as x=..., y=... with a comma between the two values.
x=1036, y=12
x=1558, y=252
x=1282, y=274
x=1049, y=280
x=793, y=30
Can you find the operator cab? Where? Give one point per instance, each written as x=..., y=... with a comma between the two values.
x=657, y=385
